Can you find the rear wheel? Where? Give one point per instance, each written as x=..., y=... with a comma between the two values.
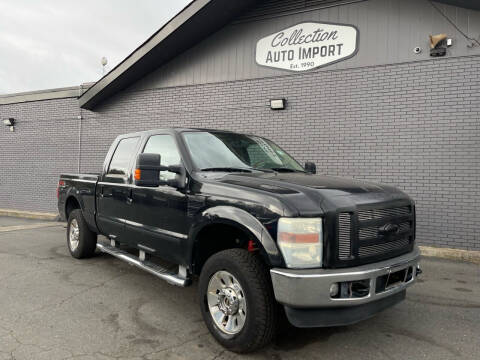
x=81, y=240
x=236, y=300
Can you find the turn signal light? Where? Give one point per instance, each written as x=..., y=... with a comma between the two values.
x=138, y=174
x=298, y=238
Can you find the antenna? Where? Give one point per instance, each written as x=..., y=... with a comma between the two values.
x=104, y=62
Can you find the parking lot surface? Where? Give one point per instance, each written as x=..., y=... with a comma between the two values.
x=55, y=307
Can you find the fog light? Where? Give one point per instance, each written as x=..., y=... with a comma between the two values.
x=334, y=290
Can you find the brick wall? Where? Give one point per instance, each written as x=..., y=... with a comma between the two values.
x=45, y=142
x=413, y=125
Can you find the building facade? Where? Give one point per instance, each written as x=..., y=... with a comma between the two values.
x=372, y=104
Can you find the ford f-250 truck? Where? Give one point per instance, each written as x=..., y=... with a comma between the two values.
x=262, y=233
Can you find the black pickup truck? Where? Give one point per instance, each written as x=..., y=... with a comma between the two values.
x=266, y=236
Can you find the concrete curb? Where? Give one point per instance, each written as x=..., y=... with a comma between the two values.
x=29, y=214
x=29, y=227
x=452, y=254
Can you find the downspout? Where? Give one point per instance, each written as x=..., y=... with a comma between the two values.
x=80, y=90
x=79, y=139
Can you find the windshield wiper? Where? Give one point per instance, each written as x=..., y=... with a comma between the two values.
x=227, y=169
x=284, y=169
x=263, y=170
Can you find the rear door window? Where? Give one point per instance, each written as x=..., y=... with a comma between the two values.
x=120, y=163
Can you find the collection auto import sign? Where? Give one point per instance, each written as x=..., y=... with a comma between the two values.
x=307, y=46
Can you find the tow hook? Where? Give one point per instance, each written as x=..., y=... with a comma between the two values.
x=419, y=270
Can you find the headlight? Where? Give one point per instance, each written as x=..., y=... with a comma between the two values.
x=300, y=241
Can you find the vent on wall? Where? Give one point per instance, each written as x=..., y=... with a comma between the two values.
x=271, y=8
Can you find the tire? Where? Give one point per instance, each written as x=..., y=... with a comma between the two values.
x=255, y=327
x=83, y=243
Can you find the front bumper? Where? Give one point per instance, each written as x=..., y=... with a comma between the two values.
x=310, y=288
x=305, y=294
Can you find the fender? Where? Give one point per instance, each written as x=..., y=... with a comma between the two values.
x=78, y=194
x=244, y=221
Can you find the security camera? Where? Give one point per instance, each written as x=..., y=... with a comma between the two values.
x=9, y=122
x=417, y=50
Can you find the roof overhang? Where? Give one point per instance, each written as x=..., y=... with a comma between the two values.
x=468, y=4
x=195, y=22
x=40, y=95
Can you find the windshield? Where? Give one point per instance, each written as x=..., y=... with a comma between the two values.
x=230, y=151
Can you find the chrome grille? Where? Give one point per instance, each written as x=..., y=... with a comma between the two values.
x=372, y=231
x=359, y=237
x=375, y=214
x=379, y=244
x=368, y=232
x=344, y=236
x=405, y=226
x=376, y=249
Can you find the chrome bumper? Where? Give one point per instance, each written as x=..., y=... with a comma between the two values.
x=310, y=288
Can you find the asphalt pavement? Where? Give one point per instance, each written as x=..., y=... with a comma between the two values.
x=55, y=307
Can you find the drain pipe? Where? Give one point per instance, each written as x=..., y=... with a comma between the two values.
x=79, y=117
x=79, y=140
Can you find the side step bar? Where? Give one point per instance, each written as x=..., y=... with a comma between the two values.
x=162, y=273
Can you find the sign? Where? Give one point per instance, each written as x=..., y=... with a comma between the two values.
x=307, y=46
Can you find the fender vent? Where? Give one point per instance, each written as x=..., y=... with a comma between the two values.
x=344, y=236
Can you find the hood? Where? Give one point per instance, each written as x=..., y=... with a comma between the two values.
x=311, y=194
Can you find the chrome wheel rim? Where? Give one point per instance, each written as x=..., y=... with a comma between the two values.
x=226, y=302
x=73, y=235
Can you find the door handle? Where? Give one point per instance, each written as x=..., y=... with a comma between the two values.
x=130, y=197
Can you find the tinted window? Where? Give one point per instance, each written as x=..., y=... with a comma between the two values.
x=167, y=148
x=122, y=156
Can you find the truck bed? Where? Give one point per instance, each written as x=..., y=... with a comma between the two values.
x=84, y=176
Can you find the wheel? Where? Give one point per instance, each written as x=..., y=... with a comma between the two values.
x=237, y=301
x=81, y=240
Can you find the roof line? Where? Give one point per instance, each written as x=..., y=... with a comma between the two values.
x=47, y=94
x=198, y=20
x=186, y=13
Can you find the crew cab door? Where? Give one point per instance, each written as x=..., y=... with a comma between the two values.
x=158, y=216
x=113, y=191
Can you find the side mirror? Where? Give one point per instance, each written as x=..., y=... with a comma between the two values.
x=147, y=172
x=310, y=167
x=179, y=182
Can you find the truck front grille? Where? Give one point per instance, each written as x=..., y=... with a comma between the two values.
x=372, y=231
x=344, y=236
x=372, y=250
x=361, y=234
x=372, y=214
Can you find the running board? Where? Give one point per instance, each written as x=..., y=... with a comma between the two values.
x=167, y=275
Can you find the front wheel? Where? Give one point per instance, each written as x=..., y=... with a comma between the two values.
x=237, y=301
x=81, y=240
